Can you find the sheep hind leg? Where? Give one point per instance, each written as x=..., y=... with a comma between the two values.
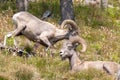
x=107, y=68
x=118, y=75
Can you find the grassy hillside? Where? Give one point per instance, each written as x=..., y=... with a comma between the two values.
x=100, y=29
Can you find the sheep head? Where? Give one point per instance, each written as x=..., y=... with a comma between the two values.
x=67, y=50
x=69, y=46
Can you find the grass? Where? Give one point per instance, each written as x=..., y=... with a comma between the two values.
x=100, y=29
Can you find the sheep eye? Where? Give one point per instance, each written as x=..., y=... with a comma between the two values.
x=69, y=47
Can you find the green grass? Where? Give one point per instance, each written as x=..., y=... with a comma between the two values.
x=100, y=29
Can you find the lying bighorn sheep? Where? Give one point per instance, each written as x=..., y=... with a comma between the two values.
x=40, y=31
x=94, y=3
x=68, y=50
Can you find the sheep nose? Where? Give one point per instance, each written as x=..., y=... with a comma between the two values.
x=60, y=53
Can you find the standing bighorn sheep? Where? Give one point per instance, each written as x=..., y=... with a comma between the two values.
x=40, y=31
x=68, y=50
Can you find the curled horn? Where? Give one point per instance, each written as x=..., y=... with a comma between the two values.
x=77, y=39
x=71, y=22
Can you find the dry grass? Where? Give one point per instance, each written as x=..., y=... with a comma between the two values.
x=13, y=69
x=5, y=23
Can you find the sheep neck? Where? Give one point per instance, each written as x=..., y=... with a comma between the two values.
x=74, y=60
x=65, y=35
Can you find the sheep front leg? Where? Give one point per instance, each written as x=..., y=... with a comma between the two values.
x=44, y=37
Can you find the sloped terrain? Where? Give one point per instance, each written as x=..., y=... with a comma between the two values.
x=100, y=29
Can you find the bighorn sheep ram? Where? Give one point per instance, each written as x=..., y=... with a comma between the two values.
x=68, y=50
x=40, y=31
